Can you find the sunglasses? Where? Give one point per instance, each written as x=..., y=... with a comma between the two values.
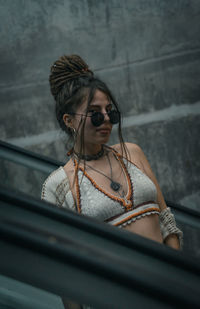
x=97, y=118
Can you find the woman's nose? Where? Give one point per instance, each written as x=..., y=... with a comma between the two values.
x=106, y=117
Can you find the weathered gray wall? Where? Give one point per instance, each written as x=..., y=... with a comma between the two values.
x=148, y=51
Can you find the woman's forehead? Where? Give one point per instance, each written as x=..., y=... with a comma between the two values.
x=99, y=98
x=100, y=95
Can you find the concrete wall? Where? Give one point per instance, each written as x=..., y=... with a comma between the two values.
x=148, y=51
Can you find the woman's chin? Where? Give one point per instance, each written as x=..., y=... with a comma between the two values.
x=98, y=140
x=104, y=140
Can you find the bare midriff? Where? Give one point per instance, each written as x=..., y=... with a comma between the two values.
x=147, y=226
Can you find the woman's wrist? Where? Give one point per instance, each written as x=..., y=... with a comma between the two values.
x=172, y=241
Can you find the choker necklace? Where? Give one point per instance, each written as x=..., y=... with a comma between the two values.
x=115, y=186
x=90, y=157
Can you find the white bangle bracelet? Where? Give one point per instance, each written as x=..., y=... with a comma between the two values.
x=168, y=225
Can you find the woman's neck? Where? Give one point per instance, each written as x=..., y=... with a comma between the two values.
x=90, y=149
x=90, y=156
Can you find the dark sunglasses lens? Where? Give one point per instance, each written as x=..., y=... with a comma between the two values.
x=114, y=116
x=97, y=119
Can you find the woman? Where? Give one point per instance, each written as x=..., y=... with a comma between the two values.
x=119, y=177
x=112, y=184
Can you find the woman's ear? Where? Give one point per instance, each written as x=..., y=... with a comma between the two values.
x=67, y=120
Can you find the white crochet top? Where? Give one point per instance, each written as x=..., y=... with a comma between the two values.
x=96, y=203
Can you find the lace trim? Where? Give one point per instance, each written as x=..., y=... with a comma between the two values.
x=129, y=216
x=138, y=217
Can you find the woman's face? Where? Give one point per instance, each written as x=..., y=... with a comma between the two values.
x=94, y=136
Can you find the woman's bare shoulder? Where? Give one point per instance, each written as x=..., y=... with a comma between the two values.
x=134, y=154
x=69, y=167
x=134, y=150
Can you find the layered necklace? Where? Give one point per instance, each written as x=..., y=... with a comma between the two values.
x=114, y=185
x=125, y=201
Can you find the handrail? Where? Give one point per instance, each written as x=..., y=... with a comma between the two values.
x=67, y=243
x=27, y=158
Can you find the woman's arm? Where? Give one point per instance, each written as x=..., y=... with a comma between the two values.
x=172, y=241
x=167, y=221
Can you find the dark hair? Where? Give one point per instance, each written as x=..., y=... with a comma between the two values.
x=71, y=82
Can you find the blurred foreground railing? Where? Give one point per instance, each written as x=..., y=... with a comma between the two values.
x=90, y=262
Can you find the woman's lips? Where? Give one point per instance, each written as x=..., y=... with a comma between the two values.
x=103, y=130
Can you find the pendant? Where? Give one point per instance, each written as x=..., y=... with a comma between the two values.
x=115, y=186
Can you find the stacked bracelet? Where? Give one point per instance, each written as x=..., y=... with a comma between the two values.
x=168, y=225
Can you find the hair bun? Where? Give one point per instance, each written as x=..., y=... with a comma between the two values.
x=67, y=68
